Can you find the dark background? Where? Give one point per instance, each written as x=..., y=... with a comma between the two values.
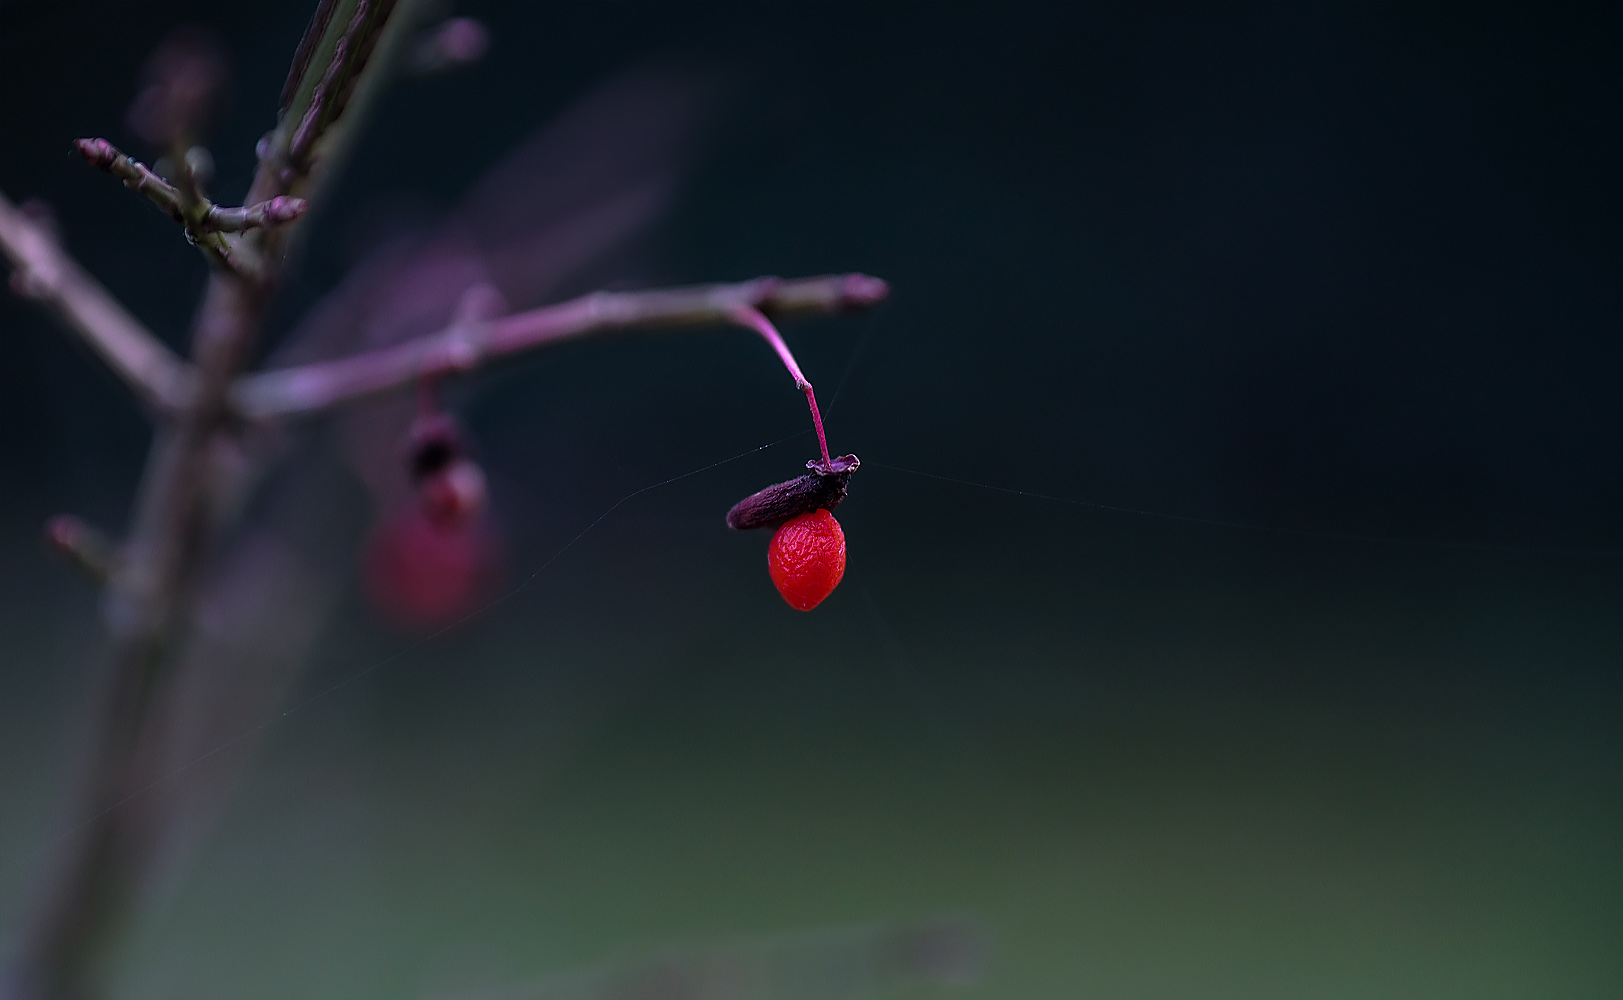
x=1347, y=276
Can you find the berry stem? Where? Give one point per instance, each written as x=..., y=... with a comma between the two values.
x=754, y=319
x=817, y=421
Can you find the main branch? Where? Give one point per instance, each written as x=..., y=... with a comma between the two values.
x=314, y=388
x=100, y=869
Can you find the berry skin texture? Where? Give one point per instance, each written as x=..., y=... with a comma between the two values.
x=807, y=559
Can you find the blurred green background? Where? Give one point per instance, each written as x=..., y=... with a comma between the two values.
x=1348, y=275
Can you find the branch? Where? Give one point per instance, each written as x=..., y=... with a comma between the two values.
x=277, y=211
x=464, y=347
x=350, y=52
x=327, y=70
x=202, y=219
x=329, y=118
x=137, y=176
x=83, y=546
x=45, y=272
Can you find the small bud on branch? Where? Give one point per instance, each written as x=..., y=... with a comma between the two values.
x=82, y=545
x=280, y=210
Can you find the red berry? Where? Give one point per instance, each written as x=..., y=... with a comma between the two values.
x=421, y=576
x=807, y=559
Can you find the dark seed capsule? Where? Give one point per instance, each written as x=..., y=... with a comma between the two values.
x=823, y=486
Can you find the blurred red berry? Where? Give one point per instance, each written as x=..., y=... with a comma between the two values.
x=807, y=559
x=422, y=575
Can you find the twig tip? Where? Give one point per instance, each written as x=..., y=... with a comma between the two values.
x=283, y=209
x=863, y=290
x=82, y=545
x=98, y=152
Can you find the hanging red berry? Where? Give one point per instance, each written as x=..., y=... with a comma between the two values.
x=422, y=576
x=807, y=554
x=807, y=559
x=431, y=563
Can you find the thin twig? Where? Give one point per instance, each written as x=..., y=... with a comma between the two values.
x=314, y=388
x=83, y=546
x=203, y=220
x=137, y=176
x=183, y=203
x=278, y=211
x=44, y=271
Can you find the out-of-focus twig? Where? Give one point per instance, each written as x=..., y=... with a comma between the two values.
x=854, y=963
x=42, y=270
x=83, y=546
x=452, y=44
x=310, y=389
x=182, y=85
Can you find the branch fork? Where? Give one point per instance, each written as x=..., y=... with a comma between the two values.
x=203, y=220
